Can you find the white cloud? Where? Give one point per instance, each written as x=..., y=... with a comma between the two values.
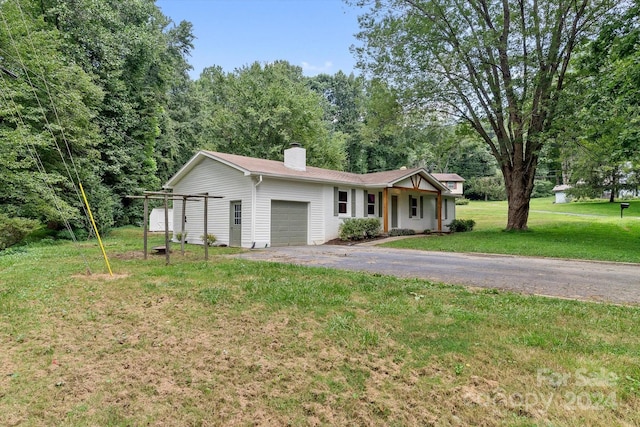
x=315, y=69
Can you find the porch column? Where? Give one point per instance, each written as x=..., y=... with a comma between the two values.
x=385, y=210
x=439, y=208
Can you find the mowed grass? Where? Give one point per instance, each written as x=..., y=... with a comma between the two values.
x=232, y=342
x=587, y=230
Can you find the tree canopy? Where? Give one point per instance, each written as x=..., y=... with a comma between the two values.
x=259, y=110
x=598, y=126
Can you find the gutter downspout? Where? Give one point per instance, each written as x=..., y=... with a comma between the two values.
x=253, y=210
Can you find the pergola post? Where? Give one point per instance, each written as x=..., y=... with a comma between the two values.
x=183, y=220
x=206, y=222
x=145, y=224
x=166, y=229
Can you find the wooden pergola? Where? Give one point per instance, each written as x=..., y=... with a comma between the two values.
x=166, y=196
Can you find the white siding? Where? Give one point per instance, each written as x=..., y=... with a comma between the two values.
x=332, y=222
x=450, y=210
x=275, y=189
x=218, y=180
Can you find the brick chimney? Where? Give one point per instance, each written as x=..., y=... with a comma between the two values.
x=295, y=157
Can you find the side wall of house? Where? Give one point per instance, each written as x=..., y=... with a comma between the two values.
x=217, y=179
x=282, y=190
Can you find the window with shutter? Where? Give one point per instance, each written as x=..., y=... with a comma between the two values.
x=413, y=207
x=343, y=199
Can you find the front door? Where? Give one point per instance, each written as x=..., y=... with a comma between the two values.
x=235, y=224
x=394, y=211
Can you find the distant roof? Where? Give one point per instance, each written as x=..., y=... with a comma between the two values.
x=274, y=168
x=444, y=177
x=563, y=187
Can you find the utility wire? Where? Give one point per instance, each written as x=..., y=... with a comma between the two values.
x=48, y=124
x=33, y=152
x=31, y=148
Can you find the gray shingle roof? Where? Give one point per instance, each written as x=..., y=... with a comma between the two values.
x=444, y=177
x=255, y=166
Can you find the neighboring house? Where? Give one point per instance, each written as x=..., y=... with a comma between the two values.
x=271, y=203
x=561, y=193
x=453, y=181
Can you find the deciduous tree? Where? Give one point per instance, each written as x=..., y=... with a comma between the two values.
x=498, y=65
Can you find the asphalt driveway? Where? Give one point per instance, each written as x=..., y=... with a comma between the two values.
x=584, y=280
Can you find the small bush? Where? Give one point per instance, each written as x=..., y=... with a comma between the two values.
x=359, y=228
x=462, y=201
x=180, y=236
x=402, y=232
x=209, y=238
x=14, y=230
x=460, y=225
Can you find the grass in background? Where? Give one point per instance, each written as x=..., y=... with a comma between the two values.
x=232, y=342
x=589, y=230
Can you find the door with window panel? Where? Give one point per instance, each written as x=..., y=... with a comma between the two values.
x=235, y=224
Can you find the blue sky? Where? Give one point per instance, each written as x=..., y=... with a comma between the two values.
x=313, y=34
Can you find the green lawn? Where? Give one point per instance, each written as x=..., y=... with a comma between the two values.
x=232, y=342
x=590, y=230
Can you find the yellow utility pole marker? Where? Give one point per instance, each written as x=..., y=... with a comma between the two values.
x=106, y=260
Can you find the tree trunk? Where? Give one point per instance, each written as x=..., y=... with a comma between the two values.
x=614, y=187
x=518, y=213
x=519, y=186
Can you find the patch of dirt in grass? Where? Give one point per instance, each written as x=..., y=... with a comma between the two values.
x=100, y=276
x=130, y=255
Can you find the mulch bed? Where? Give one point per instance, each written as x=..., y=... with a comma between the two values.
x=341, y=242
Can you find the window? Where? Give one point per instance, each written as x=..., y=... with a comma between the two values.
x=413, y=207
x=343, y=198
x=371, y=204
x=452, y=185
x=237, y=214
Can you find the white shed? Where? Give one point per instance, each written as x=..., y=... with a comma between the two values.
x=561, y=193
x=156, y=219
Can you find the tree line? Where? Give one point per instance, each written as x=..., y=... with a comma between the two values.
x=99, y=93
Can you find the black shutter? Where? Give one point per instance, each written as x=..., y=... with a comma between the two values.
x=421, y=206
x=366, y=203
x=380, y=204
x=353, y=202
